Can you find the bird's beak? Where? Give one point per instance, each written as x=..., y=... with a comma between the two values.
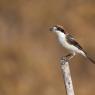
x=51, y=29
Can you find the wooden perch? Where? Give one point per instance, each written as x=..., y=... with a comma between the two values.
x=67, y=76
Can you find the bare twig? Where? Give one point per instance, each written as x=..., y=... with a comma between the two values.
x=67, y=76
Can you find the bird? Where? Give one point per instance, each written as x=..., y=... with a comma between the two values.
x=69, y=42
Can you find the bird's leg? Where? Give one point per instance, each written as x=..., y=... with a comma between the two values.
x=70, y=56
x=67, y=57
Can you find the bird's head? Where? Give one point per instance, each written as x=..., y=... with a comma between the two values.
x=57, y=29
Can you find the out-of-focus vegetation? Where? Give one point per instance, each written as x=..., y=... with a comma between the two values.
x=30, y=54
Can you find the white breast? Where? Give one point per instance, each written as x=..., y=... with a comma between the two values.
x=62, y=40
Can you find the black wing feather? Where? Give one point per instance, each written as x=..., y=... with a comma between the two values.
x=72, y=41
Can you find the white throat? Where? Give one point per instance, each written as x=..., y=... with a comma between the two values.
x=60, y=35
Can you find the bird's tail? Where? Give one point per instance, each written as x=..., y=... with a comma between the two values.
x=89, y=58
x=93, y=61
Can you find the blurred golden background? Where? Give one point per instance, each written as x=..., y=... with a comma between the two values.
x=30, y=53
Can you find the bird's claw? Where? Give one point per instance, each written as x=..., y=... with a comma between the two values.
x=64, y=59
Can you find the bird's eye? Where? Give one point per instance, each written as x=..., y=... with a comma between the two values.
x=60, y=29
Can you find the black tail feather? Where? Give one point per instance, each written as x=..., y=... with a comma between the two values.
x=93, y=61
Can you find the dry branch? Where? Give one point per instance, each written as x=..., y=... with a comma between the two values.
x=67, y=76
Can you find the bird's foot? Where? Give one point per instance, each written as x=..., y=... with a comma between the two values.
x=64, y=59
x=67, y=58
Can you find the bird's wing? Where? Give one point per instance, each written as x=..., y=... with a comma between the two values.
x=72, y=41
